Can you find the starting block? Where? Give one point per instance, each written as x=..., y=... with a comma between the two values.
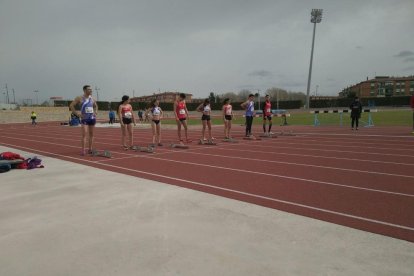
x=252, y=137
x=208, y=142
x=148, y=149
x=268, y=135
x=230, y=140
x=102, y=153
x=179, y=146
x=290, y=133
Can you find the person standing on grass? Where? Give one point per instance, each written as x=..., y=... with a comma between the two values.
x=227, y=117
x=267, y=115
x=412, y=107
x=356, y=110
x=205, y=119
x=126, y=118
x=111, y=117
x=88, y=112
x=33, y=116
x=157, y=114
x=181, y=116
x=248, y=106
x=140, y=116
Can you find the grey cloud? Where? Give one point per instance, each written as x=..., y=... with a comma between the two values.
x=261, y=73
x=195, y=45
x=404, y=54
x=411, y=68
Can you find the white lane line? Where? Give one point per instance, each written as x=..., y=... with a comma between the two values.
x=234, y=191
x=320, y=156
x=259, y=173
x=300, y=164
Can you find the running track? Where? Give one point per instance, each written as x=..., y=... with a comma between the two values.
x=363, y=180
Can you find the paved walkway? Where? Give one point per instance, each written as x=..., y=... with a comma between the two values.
x=70, y=219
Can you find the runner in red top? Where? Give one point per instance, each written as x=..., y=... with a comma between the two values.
x=267, y=114
x=126, y=117
x=181, y=116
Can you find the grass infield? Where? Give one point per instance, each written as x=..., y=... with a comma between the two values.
x=392, y=117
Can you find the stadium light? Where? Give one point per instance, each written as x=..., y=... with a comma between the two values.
x=37, y=99
x=316, y=17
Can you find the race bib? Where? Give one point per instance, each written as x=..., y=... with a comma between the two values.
x=128, y=115
x=268, y=110
x=88, y=109
x=181, y=111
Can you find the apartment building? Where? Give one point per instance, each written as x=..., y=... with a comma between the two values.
x=381, y=86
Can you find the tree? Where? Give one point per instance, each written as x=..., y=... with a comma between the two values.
x=244, y=94
x=231, y=95
x=212, y=97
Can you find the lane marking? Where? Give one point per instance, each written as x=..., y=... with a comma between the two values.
x=265, y=174
x=239, y=192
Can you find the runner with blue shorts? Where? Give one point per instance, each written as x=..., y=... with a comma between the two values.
x=88, y=112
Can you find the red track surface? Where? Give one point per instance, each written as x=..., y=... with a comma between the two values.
x=363, y=179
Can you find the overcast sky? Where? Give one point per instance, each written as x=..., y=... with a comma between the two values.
x=198, y=46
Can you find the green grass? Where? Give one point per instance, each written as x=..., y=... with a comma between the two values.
x=392, y=117
x=380, y=118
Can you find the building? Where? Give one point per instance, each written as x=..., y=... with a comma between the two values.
x=381, y=86
x=165, y=97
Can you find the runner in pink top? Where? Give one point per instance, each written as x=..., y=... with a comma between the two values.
x=126, y=118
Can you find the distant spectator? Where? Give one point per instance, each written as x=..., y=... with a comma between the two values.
x=140, y=116
x=111, y=116
x=33, y=116
x=356, y=110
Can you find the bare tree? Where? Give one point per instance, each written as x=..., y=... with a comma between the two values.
x=231, y=95
x=244, y=93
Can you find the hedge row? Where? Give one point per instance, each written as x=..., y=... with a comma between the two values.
x=346, y=102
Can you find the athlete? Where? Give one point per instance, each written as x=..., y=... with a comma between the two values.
x=126, y=118
x=248, y=106
x=267, y=115
x=227, y=117
x=88, y=112
x=181, y=116
x=205, y=119
x=33, y=116
x=156, y=114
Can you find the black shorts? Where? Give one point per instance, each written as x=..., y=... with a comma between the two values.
x=126, y=121
x=228, y=117
x=156, y=121
x=267, y=117
x=205, y=117
x=182, y=119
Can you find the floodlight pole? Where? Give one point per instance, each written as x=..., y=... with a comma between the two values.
x=37, y=100
x=316, y=17
x=97, y=93
x=7, y=91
